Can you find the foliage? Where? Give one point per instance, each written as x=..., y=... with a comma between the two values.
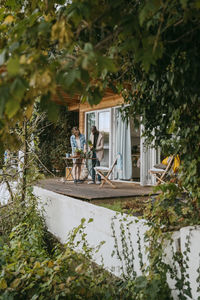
x=171, y=209
x=19, y=167
x=116, y=206
x=79, y=151
x=168, y=212
x=148, y=285
x=30, y=270
x=54, y=139
x=132, y=206
x=146, y=50
x=148, y=289
x=34, y=266
x=153, y=256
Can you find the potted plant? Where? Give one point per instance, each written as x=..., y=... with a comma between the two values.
x=79, y=152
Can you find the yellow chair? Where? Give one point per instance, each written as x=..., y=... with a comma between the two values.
x=161, y=174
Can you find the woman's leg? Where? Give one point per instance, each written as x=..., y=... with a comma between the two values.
x=75, y=172
x=79, y=164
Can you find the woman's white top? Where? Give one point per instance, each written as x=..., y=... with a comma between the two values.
x=78, y=142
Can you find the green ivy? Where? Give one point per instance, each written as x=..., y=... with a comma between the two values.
x=54, y=140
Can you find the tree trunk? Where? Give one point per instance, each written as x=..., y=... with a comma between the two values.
x=25, y=161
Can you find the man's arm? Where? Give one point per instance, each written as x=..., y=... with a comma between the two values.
x=101, y=144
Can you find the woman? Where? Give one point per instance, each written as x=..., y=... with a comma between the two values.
x=77, y=141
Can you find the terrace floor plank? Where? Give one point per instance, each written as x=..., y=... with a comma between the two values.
x=91, y=192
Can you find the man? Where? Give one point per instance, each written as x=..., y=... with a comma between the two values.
x=97, y=152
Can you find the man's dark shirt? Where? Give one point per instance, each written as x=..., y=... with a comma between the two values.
x=96, y=135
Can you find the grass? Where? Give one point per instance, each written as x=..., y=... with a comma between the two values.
x=116, y=206
x=133, y=206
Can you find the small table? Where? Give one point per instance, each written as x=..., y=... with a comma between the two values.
x=70, y=165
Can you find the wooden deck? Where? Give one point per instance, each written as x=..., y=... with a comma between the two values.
x=91, y=192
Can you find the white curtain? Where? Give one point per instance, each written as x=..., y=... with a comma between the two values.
x=123, y=146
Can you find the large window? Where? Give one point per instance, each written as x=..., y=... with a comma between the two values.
x=101, y=119
x=90, y=122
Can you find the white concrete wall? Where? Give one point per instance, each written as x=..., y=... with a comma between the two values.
x=191, y=234
x=63, y=213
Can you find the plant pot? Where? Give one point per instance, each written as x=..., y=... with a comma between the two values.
x=77, y=154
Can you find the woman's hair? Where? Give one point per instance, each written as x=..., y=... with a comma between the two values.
x=75, y=129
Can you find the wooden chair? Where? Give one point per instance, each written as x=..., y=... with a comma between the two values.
x=105, y=172
x=161, y=174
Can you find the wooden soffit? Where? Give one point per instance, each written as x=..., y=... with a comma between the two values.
x=73, y=101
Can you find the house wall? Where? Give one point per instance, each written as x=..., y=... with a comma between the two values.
x=63, y=213
x=85, y=107
x=147, y=158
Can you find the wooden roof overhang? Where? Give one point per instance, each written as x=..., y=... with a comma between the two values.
x=74, y=103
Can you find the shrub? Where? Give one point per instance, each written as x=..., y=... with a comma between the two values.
x=35, y=266
x=54, y=140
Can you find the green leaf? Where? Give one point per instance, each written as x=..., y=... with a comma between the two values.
x=84, y=98
x=16, y=283
x=184, y=3
x=12, y=106
x=85, y=75
x=12, y=3
x=83, y=220
x=43, y=27
x=5, y=95
x=18, y=89
x=197, y=4
x=71, y=77
x=148, y=10
x=50, y=107
x=52, y=111
x=90, y=220
x=95, y=97
x=3, y=284
x=13, y=66
x=88, y=47
x=13, y=46
x=107, y=64
x=85, y=63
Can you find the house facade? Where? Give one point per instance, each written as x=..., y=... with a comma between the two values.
x=119, y=137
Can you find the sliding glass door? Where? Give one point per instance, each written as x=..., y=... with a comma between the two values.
x=101, y=119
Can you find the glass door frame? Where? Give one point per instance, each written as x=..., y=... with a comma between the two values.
x=97, y=125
